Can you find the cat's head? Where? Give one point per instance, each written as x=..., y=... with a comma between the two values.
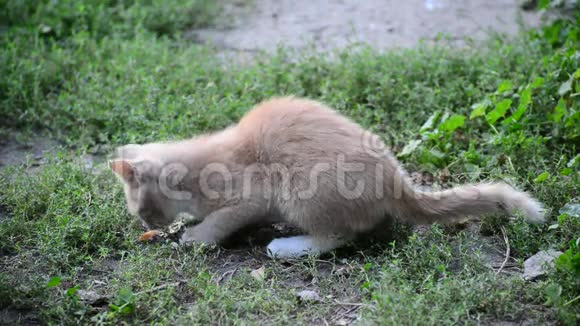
x=141, y=175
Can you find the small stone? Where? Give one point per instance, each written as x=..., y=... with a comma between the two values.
x=91, y=297
x=308, y=296
x=44, y=29
x=539, y=264
x=259, y=274
x=571, y=209
x=342, y=322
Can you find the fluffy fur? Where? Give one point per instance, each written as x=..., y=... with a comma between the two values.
x=297, y=161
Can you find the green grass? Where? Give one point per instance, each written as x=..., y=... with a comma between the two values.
x=120, y=71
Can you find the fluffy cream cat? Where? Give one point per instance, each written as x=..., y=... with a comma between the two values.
x=297, y=161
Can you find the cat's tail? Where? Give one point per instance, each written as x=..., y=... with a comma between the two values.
x=468, y=201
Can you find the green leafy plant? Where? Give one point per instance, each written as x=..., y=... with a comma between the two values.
x=569, y=261
x=562, y=292
x=54, y=281
x=124, y=303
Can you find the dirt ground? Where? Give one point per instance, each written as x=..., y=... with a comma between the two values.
x=263, y=25
x=17, y=151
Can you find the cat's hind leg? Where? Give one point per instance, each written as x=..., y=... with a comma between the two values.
x=302, y=245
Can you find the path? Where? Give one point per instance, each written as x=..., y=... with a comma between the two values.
x=384, y=24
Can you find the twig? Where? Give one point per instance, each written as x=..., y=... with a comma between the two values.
x=346, y=312
x=507, y=252
x=227, y=273
x=160, y=287
x=506, y=266
x=356, y=304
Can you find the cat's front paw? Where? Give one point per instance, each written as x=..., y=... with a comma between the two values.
x=196, y=235
x=187, y=238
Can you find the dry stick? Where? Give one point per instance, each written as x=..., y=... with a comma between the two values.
x=160, y=287
x=507, y=252
x=354, y=307
x=227, y=273
x=346, y=312
x=356, y=304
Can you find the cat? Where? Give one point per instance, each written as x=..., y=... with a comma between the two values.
x=298, y=161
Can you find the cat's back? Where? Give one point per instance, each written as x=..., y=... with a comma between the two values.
x=283, y=112
x=297, y=129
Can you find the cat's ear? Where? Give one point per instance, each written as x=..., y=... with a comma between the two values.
x=124, y=169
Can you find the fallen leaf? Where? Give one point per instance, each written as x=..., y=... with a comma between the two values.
x=259, y=274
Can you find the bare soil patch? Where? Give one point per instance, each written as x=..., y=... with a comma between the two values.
x=16, y=149
x=263, y=25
